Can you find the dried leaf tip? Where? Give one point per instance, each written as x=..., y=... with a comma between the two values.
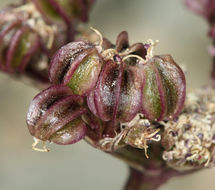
x=150, y=45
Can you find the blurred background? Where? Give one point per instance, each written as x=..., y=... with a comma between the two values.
x=80, y=167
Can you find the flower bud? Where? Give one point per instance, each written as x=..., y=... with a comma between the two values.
x=76, y=65
x=164, y=88
x=55, y=115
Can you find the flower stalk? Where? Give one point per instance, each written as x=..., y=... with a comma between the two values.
x=142, y=181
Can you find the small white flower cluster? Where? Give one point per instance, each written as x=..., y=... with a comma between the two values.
x=189, y=142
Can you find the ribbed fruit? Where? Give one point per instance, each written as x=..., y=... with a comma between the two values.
x=76, y=65
x=164, y=88
x=55, y=115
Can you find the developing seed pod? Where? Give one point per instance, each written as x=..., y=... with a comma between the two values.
x=76, y=65
x=55, y=115
x=66, y=10
x=164, y=88
x=117, y=95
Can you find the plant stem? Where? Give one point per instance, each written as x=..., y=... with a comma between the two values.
x=136, y=158
x=145, y=174
x=142, y=181
x=213, y=70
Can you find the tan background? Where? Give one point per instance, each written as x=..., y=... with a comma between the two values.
x=81, y=167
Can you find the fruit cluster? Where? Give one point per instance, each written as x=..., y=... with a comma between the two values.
x=96, y=87
x=30, y=33
x=26, y=41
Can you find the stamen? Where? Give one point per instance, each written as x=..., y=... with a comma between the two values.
x=146, y=150
x=151, y=48
x=208, y=158
x=144, y=145
x=153, y=134
x=109, y=53
x=156, y=138
x=36, y=142
x=99, y=34
x=111, y=144
x=133, y=56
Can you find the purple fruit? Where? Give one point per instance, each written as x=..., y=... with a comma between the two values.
x=24, y=43
x=24, y=36
x=76, y=65
x=55, y=115
x=164, y=88
x=117, y=95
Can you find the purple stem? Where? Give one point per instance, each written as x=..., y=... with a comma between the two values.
x=142, y=181
x=213, y=70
